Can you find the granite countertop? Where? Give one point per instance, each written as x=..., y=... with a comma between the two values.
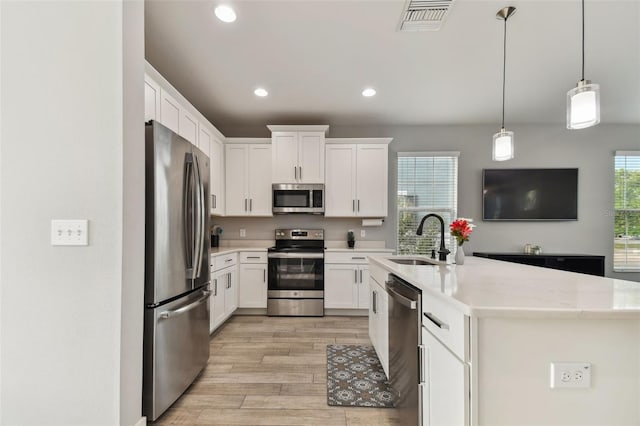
x=485, y=287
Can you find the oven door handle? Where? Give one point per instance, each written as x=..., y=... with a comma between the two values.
x=295, y=255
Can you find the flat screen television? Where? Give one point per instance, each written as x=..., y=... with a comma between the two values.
x=530, y=194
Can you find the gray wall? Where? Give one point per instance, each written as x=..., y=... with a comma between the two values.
x=71, y=316
x=590, y=150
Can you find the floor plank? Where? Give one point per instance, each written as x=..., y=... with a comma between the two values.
x=272, y=371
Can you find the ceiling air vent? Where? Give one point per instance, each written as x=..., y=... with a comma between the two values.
x=424, y=15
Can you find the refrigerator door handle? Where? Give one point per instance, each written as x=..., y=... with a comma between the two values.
x=187, y=211
x=187, y=308
x=199, y=225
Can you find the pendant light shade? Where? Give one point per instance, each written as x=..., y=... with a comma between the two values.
x=583, y=101
x=503, y=145
x=503, y=140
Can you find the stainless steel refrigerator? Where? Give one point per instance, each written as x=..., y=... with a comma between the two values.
x=177, y=277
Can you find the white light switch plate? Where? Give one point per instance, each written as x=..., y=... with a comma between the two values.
x=70, y=232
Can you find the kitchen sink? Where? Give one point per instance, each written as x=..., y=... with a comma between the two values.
x=410, y=261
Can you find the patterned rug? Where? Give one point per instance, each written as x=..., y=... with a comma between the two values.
x=355, y=377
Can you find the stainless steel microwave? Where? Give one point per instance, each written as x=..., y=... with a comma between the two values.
x=298, y=198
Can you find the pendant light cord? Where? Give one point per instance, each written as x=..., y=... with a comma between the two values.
x=504, y=66
x=582, y=40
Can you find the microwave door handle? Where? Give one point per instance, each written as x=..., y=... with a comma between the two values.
x=186, y=212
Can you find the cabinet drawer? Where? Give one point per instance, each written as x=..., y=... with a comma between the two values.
x=224, y=260
x=447, y=324
x=352, y=258
x=253, y=257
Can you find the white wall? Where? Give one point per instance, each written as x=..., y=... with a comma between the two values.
x=63, y=136
x=590, y=150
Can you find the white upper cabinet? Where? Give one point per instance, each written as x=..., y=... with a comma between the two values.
x=169, y=111
x=210, y=145
x=356, y=181
x=151, y=99
x=298, y=154
x=188, y=126
x=248, y=183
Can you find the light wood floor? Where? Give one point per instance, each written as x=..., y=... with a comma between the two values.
x=272, y=371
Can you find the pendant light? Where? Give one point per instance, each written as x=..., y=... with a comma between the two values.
x=583, y=101
x=503, y=140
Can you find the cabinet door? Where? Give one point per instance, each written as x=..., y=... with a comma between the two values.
x=151, y=99
x=284, y=157
x=340, y=182
x=363, y=287
x=217, y=176
x=236, y=180
x=218, y=296
x=340, y=286
x=204, y=140
x=169, y=111
x=259, y=183
x=231, y=292
x=253, y=286
x=311, y=157
x=188, y=126
x=373, y=319
x=446, y=389
x=371, y=186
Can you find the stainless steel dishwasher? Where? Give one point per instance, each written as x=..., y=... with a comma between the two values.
x=405, y=306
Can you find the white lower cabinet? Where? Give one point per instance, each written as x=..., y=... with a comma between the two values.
x=346, y=286
x=379, y=322
x=445, y=386
x=253, y=280
x=224, y=299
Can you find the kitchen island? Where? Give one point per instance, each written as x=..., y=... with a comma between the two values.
x=492, y=329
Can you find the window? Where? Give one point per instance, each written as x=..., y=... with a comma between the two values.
x=427, y=183
x=626, y=237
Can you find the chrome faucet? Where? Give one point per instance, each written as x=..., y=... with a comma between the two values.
x=443, y=252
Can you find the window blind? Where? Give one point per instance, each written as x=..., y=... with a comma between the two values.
x=626, y=237
x=427, y=183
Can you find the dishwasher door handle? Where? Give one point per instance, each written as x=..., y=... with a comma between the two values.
x=405, y=301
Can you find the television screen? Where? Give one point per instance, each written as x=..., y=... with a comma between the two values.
x=530, y=194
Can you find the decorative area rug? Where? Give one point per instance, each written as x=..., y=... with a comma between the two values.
x=355, y=378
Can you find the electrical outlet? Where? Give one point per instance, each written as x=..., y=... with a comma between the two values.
x=363, y=233
x=243, y=233
x=69, y=232
x=570, y=375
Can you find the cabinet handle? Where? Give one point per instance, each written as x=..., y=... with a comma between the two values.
x=228, y=260
x=438, y=322
x=253, y=257
x=245, y=204
x=373, y=302
x=358, y=258
x=423, y=360
x=300, y=172
x=360, y=276
x=264, y=275
x=250, y=204
x=355, y=272
x=353, y=205
x=358, y=205
x=215, y=287
x=229, y=280
x=295, y=172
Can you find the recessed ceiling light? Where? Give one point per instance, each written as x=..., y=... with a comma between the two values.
x=260, y=92
x=368, y=92
x=225, y=13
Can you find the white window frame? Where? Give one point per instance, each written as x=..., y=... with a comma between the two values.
x=624, y=265
x=450, y=241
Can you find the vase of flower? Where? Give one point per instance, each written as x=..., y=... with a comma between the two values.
x=461, y=228
x=459, y=257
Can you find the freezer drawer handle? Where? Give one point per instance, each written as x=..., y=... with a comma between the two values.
x=190, y=306
x=411, y=304
x=438, y=322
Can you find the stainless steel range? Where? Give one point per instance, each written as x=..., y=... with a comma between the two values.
x=296, y=273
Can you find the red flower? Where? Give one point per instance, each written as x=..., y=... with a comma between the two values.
x=461, y=228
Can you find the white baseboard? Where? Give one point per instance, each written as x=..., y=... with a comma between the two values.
x=346, y=312
x=141, y=422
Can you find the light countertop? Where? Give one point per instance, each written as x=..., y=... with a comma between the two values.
x=485, y=287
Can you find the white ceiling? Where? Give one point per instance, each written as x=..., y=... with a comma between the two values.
x=316, y=57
